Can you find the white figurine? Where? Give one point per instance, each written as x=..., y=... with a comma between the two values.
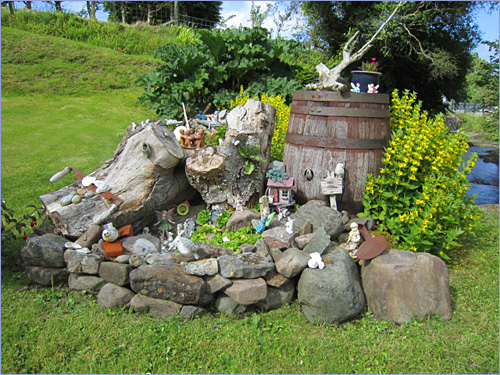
x=185, y=246
x=339, y=170
x=372, y=89
x=316, y=261
x=353, y=241
x=110, y=233
x=289, y=225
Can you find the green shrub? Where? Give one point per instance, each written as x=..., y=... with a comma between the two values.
x=420, y=194
x=214, y=70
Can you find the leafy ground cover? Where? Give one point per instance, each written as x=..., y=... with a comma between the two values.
x=58, y=330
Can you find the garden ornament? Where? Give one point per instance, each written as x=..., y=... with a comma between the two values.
x=110, y=233
x=282, y=212
x=339, y=170
x=372, y=89
x=60, y=175
x=355, y=87
x=353, y=240
x=316, y=261
x=165, y=222
x=289, y=225
x=372, y=247
x=185, y=246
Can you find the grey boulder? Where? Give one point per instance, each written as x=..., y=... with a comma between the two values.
x=332, y=294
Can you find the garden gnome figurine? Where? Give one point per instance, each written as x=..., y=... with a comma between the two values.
x=353, y=241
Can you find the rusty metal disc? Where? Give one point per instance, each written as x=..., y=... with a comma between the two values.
x=372, y=247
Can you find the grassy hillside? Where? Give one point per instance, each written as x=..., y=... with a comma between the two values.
x=52, y=118
x=46, y=65
x=137, y=39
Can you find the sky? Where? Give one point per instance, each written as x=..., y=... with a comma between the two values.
x=488, y=24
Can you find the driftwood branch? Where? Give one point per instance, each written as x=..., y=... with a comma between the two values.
x=331, y=79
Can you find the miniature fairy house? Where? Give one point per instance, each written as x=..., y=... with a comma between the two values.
x=280, y=193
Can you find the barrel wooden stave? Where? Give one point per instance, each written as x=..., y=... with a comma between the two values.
x=335, y=131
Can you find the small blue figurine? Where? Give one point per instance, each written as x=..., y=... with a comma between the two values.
x=201, y=116
x=265, y=220
x=355, y=88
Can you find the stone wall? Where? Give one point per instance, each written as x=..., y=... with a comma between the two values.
x=267, y=275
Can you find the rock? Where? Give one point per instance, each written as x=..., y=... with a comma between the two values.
x=44, y=251
x=275, y=254
x=191, y=312
x=302, y=241
x=244, y=266
x=247, y=291
x=227, y=305
x=217, y=282
x=262, y=249
x=168, y=282
x=165, y=258
x=116, y=273
x=278, y=165
x=489, y=208
x=318, y=243
x=305, y=228
x=279, y=238
x=141, y=245
x=77, y=262
x=402, y=284
x=247, y=248
x=158, y=308
x=292, y=262
x=91, y=284
x=368, y=222
x=113, y=296
x=45, y=227
x=319, y=216
x=332, y=294
x=241, y=219
x=125, y=259
x=206, y=250
x=47, y=276
x=275, y=279
x=204, y=267
x=90, y=237
x=277, y=297
x=136, y=261
x=97, y=249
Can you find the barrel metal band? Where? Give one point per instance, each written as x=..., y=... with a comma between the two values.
x=340, y=111
x=330, y=96
x=336, y=143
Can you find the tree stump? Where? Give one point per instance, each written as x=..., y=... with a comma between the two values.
x=221, y=175
x=145, y=172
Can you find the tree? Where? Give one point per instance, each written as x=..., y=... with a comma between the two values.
x=258, y=16
x=482, y=82
x=426, y=48
x=158, y=12
x=92, y=8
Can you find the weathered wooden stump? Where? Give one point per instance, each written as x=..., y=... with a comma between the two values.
x=145, y=172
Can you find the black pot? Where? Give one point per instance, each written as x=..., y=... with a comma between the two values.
x=365, y=78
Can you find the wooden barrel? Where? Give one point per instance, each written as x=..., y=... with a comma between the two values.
x=326, y=128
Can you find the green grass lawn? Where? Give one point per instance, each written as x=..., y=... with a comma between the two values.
x=58, y=330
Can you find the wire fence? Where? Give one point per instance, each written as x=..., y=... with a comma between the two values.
x=474, y=108
x=137, y=11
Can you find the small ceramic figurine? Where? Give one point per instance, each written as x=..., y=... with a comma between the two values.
x=265, y=220
x=165, y=221
x=353, y=241
x=289, y=226
x=316, y=261
x=282, y=212
x=372, y=89
x=185, y=246
x=110, y=233
x=339, y=170
x=239, y=204
x=355, y=88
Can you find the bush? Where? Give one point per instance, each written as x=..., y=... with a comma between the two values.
x=420, y=194
x=214, y=69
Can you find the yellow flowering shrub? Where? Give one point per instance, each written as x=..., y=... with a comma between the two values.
x=420, y=193
x=280, y=121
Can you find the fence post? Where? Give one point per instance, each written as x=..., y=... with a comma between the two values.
x=176, y=13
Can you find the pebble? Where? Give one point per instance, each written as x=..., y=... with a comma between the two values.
x=125, y=258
